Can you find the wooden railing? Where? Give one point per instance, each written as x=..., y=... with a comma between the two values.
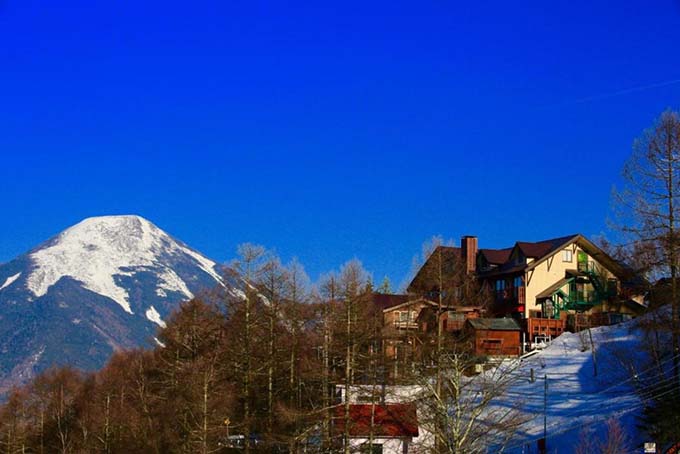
x=405, y=324
x=512, y=295
x=578, y=322
x=545, y=327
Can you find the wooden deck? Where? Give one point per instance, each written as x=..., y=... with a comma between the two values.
x=544, y=327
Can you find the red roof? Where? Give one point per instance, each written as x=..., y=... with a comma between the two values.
x=390, y=420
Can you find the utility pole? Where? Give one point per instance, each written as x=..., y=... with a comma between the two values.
x=592, y=351
x=543, y=442
x=545, y=415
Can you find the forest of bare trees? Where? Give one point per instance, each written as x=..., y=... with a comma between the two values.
x=260, y=364
x=255, y=369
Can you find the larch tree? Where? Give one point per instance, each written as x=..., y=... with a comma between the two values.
x=647, y=207
x=466, y=414
x=354, y=281
x=328, y=294
x=14, y=423
x=297, y=297
x=192, y=342
x=243, y=318
x=273, y=285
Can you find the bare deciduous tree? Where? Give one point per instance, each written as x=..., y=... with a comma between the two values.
x=469, y=413
x=648, y=205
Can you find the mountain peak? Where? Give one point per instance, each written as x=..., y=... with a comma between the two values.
x=101, y=285
x=98, y=250
x=115, y=224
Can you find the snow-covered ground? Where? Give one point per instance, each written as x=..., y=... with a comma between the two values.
x=579, y=402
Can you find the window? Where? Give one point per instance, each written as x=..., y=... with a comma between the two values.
x=517, y=282
x=534, y=314
x=492, y=345
x=500, y=285
x=612, y=287
x=548, y=309
x=374, y=448
x=567, y=255
x=492, y=342
x=456, y=316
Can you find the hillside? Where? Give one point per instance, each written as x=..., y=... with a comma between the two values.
x=578, y=400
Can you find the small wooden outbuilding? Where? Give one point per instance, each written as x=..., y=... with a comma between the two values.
x=495, y=336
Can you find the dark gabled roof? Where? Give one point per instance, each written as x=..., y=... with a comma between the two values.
x=412, y=300
x=450, y=258
x=538, y=251
x=494, y=324
x=634, y=305
x=533, y=250
x=544, y=248
x=432, y=310
x=496, y=256
x=389, y=420
x=384, y=301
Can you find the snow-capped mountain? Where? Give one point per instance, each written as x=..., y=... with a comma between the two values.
x=104, y=284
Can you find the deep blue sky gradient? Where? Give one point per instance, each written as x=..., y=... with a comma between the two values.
x=327, y=131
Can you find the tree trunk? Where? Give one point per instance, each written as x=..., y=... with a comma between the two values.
x=348, y=373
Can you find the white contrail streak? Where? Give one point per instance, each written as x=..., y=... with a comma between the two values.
x=626, y=91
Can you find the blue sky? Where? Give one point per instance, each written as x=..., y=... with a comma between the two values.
x=327, y=131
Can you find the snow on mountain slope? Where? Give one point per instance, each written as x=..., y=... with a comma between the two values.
x=97, y=249
x=153, y=315
x=105, y=284
x=10, y=280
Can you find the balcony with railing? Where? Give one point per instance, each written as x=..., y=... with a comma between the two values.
x=405, y=324
x=400, y=320
x=511, y=298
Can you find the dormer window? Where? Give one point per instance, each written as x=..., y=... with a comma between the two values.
x=567, y=256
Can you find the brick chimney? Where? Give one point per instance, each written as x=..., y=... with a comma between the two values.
x=468, y=246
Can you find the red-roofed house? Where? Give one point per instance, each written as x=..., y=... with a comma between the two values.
x=378, y=429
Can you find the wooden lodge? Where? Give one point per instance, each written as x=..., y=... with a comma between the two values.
x=547, y=287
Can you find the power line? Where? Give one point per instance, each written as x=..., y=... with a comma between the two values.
x=645, y=397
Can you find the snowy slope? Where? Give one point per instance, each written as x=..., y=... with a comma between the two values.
x=579, y=402
x=104, y=284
